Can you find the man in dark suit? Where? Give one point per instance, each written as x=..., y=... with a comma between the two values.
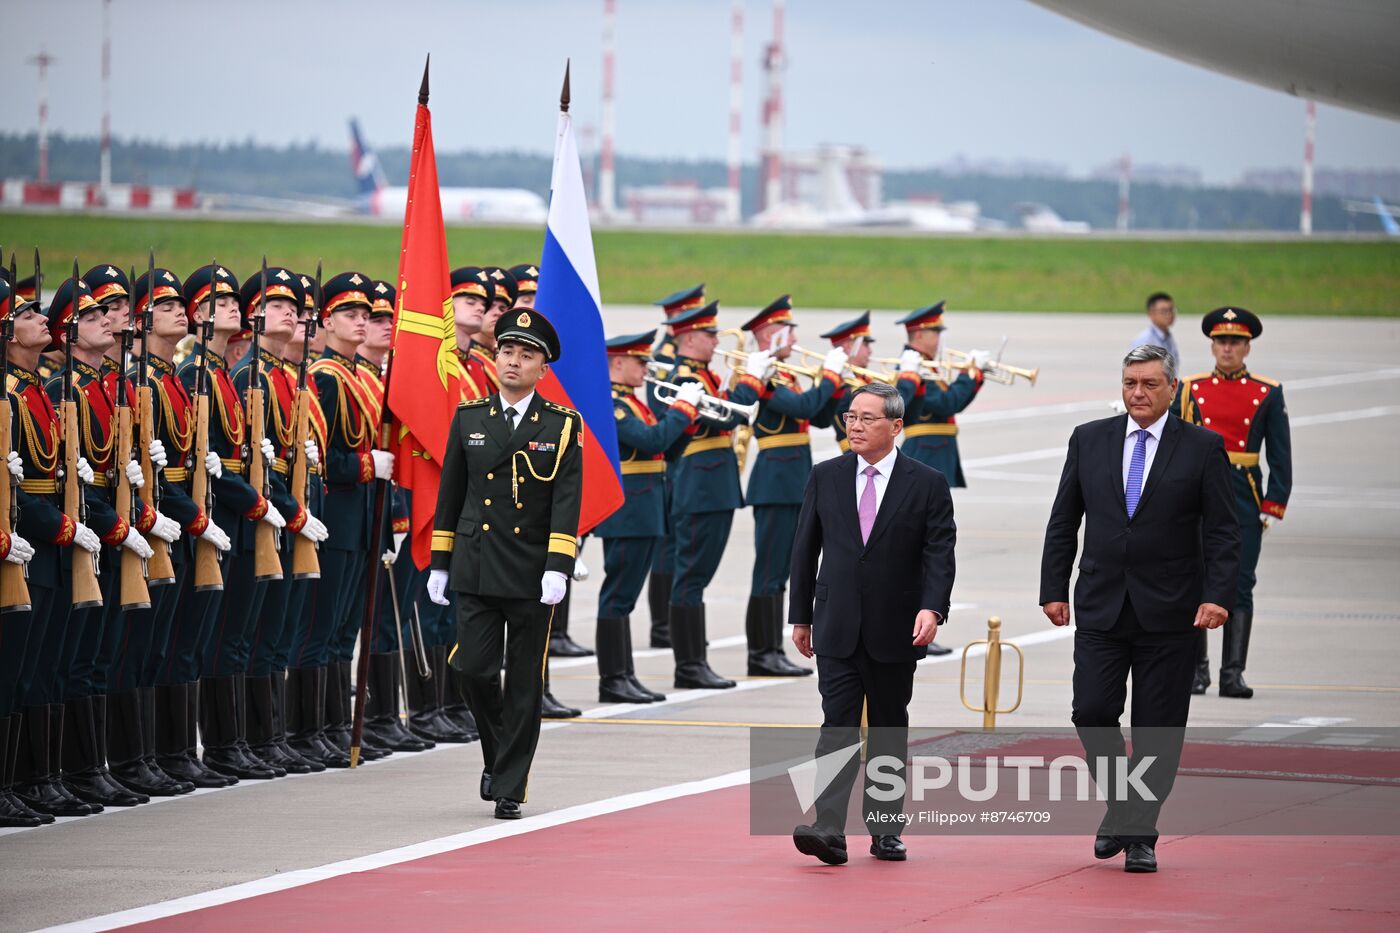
x=881, y=524
x=1161, y=557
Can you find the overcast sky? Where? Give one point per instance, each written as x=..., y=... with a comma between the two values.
x=915, y=81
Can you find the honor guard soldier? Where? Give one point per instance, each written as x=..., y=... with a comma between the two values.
x=88, y=647
x=786, y=412
x=854, y=337
x=705, y=491
x=507, y=516
x=1248, y=411
x=663, y=568
x=36, y=701
x=471, y=298
x=632, y=534
x=352, y=464
x=527, y=281
x=930, y=428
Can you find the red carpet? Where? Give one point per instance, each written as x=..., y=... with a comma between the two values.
x=690, y=864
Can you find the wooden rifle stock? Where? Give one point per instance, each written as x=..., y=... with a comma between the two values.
x=87, y=591
x=134, y=593
x=159, y=569
x=14, y=591
x=207, y=575
x=267, y=563
x=306, y=565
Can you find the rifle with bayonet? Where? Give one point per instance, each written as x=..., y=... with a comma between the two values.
x=87, y=591
x=207, y=575
x=134, y=592
x=267, y=563
x=14, y=590
x=158, y=566
x=306, y=565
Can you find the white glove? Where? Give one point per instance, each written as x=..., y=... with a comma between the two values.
x=158, y=454
x=909, y=361
x=1265, y=521
x=383, y=464
x=87, y=539
x=1117, y=407
x=580, y=570
x=274, y=517
x=314, y=529
x=690, y=393
x=134, y=476
x=21, y=551
x=135, y=541
x=217, y=537
x=166, y=529
x=835, y=360
x=392, y=554
x=212, y=466
x=85, y=471
x=313, y=453
x=980, y=358
x=437, y=586
x=553, y=586
x=15, y=465
x=268, y=451
x=758, y=364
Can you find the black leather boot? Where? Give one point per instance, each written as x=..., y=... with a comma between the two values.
x=14, y=813
x=763, y=627
x=453, y=713
x=84, y=769
x=288, y=756
x=370, y=749
x=382, y=707
x=659, y=601
x=550, y=708
x=1200, y=681
x=560, y=644
x=1234, y=654
x=260, y=726
x=775, y=618
x=154, y=716
x=240, y=700
x=632, y=668
x=306, y=699
x=35, y=781
x=219, y=713
x=424, y=715
x=126, y=748
x=688, y=644
x=100, y=730
x=185, y=763
x=614, y=686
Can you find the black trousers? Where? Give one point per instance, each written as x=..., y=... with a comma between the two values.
x=1161, y=665
x=882, y=690
x=508, y=716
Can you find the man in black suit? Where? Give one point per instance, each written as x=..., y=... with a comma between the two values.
x=1161, y=554
x=882, y=526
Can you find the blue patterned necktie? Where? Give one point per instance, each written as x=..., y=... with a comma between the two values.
x=1133, y=492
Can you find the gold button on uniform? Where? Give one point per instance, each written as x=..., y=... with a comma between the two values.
x=517, y=529
x=490, y=475
x=486, y=526
x=520, y=505
x=487, y=501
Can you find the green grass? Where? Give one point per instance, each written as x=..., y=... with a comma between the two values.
x=747, y=270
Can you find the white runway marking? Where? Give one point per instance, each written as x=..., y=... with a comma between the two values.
x=1352, y=414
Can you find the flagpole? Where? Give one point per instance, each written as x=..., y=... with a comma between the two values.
x=381, y=507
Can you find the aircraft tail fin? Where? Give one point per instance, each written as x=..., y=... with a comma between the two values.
x=369, y=174
x=1388, y=223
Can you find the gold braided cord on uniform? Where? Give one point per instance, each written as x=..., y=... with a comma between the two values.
x=234, y=432
x=31, y=435
x=182, y=441
x=341, y=373
x=99, y=452
x=558, y=459
x=286, y=434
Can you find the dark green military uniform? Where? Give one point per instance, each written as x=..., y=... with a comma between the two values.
x=507, y=513
x=1248, y=411
x=930, y=428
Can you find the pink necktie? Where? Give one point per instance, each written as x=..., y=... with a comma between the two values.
x=867, y=504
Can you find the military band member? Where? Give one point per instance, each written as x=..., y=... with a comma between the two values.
x=632, y=534
x=507, y=515
x=1248, y=411
x=705, y=491
x=779, y=477
x=930, y=428
x=663, y=567
x=352, y=465
x=854, y=337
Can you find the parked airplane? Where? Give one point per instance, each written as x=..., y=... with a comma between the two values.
x=495, y=205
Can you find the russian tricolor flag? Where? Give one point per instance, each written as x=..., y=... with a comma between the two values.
x=568, y=295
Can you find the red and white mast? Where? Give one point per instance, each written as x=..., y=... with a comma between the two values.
x=607, y=179
x=1309, y=137
x=104, y=173
x=43, y=60
x=1125, y=179
x=773, y=63
x=736, y=105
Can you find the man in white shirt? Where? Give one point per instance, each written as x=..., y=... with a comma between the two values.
x=1161, y=315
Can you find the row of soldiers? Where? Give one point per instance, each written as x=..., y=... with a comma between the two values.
x=187, y=550
x=681, y=469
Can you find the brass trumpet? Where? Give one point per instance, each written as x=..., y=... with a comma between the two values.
x=995, y=370
x=852, y=375
x=712, y=408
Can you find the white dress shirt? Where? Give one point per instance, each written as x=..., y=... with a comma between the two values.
x=1154, y=436
x=880, y=479
x=1153, y=336
x=520, y=408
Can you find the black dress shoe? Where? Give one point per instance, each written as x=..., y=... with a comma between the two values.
x=936, y=650
x=775, y=664
x=562, y=646
x=507, y=809
x=486, y=785
x=553, y=709
x=1141, y=860
x=643, y=688
x=617, y=688
x=1200, y=681
x=697, y=675
x=888, y=848
x=1107, y=846
x=88, y=786
x=829, y=847
x=1233, y=685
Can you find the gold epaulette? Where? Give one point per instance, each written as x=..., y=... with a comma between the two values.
x=1264, y=379
x=472, y=402
x=683, y=370
x=1195, y=377
x=562, y=409
x=12, y=382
